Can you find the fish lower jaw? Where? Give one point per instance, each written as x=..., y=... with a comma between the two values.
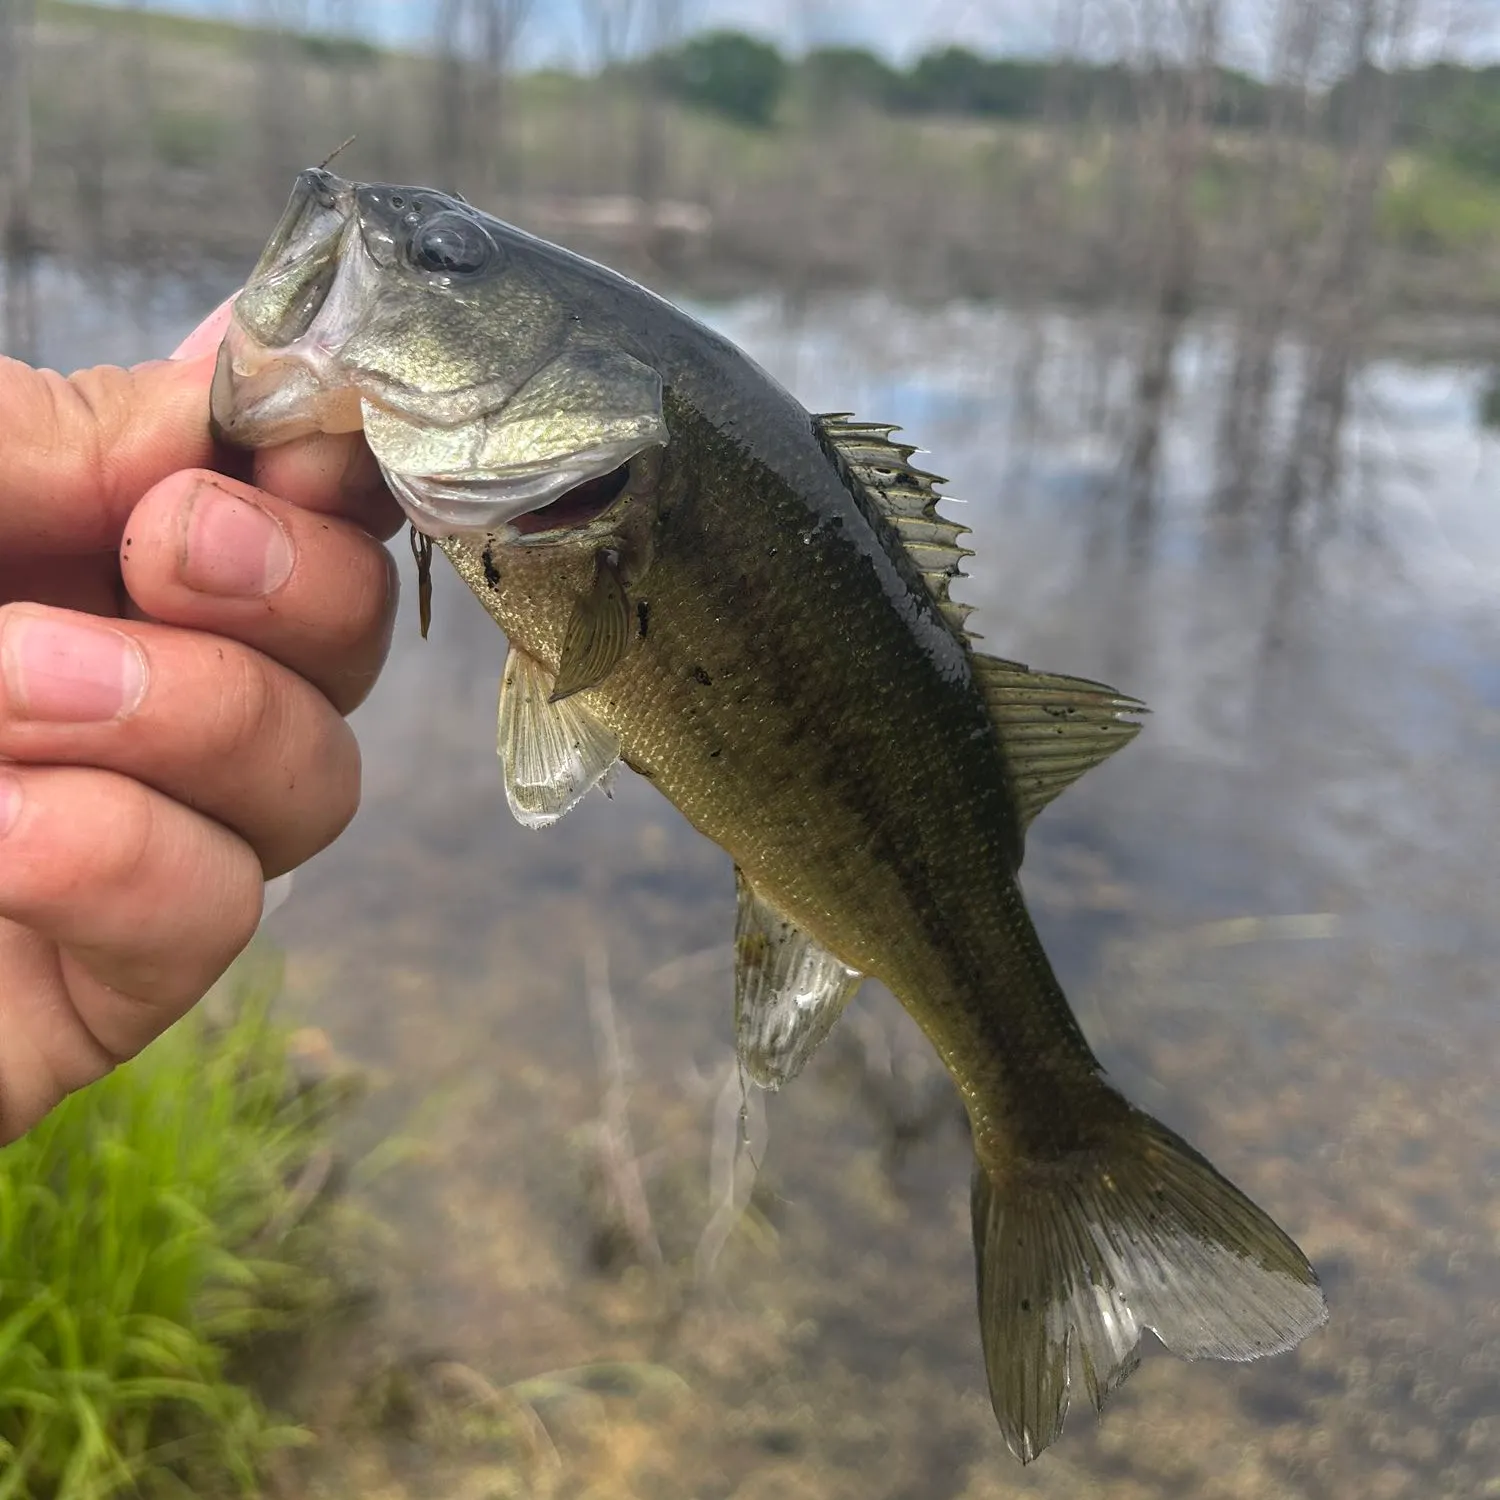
x=528, y=506
x=261, y=397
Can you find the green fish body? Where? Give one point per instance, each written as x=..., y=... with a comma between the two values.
x=748, y=605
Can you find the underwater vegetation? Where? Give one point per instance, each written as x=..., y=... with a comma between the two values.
x=152, y=1228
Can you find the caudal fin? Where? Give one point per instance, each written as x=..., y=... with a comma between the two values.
x=1079, y=1255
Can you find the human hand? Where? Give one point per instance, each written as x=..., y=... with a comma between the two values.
x=177, y=650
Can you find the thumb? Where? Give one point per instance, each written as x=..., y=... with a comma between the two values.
x=81, y=450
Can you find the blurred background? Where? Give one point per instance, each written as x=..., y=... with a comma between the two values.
x=1197, y=304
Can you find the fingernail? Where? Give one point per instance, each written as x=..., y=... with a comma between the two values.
x=59, y=670
x=231, y=547
x=206, y=336
x=10, y=803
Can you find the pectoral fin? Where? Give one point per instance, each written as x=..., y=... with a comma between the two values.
x=598, y=634
x=788, y=991
x=552, y=753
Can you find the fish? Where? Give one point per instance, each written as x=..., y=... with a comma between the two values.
x=750, y=606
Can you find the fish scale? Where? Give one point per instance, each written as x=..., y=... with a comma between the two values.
x=733, y=614
x=749, y=605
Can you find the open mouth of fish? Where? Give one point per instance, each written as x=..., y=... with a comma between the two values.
x=523, y=456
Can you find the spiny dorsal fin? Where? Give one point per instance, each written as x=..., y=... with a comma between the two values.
x=1053, y=728
x=907, y=497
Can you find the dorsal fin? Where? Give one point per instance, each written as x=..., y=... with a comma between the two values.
x=907, y=497
x=1052, y=728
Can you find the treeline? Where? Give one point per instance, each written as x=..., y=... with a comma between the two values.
x=1443, y=107
x=1302, y=206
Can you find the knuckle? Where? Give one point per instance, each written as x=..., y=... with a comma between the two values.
x=361, y=634
x=243, y=902
x=86, y=415
x=373, y=581
x=127, y=843
x=134, y=834
x=326, y=778
x=308, y=780
x=89, y=832
x=74, y=412
x=344, y=765
x=218, y=893
x=98, y=407
x=248, y=711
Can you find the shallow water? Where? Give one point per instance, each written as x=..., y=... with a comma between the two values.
x=1275, y=913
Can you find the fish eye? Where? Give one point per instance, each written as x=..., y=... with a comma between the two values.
x=451, y=244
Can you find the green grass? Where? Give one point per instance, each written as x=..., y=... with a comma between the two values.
x=151, y=26
x=1436, y=208
x=150, y=1228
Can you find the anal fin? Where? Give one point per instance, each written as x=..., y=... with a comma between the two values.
x=788, y=991
x=552, y=753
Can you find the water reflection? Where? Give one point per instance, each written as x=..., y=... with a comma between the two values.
x=1276, y=913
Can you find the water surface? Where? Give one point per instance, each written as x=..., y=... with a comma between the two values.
x=1276, y=913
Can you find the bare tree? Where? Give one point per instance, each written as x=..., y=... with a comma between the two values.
x=477, y=42
x=1039, y=204
x=17, y=243
x=663, y=25
x=1187, y=88
x=609, y=28
x=450, y=92
x=1379, y=32
x=340, y=17
x=280, y=95
x=1270, y=277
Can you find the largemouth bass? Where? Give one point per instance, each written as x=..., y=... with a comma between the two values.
x=749, y=606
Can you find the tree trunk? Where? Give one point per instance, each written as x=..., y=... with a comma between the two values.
x=1177, y=251
x=18, y=242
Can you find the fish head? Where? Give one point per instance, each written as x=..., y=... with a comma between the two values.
x=479, y=362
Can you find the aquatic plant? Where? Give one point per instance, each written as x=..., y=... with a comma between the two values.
x=150, y=1228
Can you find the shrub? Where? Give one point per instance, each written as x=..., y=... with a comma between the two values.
x=730, y=73
x=149, y=1227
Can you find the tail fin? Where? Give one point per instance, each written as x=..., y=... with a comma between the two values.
x=1082, y=1254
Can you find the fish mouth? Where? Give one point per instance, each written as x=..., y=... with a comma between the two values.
x=278, y=375
x=526, y=455
x=532, y=507
x=575, y=509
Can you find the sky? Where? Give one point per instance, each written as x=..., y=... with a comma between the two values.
x=901, y=29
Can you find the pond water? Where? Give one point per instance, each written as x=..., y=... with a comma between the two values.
x=1275, y=913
